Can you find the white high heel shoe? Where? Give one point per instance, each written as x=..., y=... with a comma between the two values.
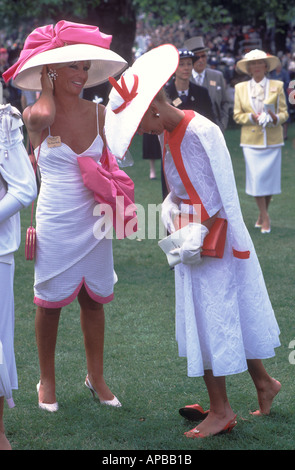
x=114, y=402
x=52, y=407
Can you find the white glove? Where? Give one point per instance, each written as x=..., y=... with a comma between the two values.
x=169, y=210
x=264, y=119
x=190, y=251
x=9, y=206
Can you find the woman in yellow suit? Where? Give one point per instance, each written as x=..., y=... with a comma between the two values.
x=260, y=108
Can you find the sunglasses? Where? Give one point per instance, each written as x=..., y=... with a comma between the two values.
x=198, y=57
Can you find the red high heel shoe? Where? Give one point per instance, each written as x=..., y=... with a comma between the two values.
x=196, y=434
x=193, y=412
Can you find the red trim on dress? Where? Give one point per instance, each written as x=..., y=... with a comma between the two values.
x=174, y=140
x=71, y=298
x=241, y=254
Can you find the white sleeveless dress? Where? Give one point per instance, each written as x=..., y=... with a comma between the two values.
x=68, y=253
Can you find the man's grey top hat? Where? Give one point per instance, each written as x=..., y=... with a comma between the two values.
x=196, y=44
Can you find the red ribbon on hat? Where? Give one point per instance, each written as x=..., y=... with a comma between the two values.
x=123, y=91
x=48, y=37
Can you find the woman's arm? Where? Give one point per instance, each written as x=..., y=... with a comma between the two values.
x=42, y=113
x=282, y=112
x=241, y=116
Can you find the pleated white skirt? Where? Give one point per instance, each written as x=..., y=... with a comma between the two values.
x=263, y=170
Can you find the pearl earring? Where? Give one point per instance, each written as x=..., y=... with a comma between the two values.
x=157, y=114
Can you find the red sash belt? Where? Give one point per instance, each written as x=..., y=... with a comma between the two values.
x=174, y=141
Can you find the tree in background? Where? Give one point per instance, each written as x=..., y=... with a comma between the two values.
x=118, y=17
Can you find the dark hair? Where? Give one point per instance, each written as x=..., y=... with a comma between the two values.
x=161, y=96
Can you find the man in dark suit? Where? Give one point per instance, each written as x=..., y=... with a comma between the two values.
x=211, y=79
x=185, y=94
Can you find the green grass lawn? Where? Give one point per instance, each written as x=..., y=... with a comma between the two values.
x=142, y=366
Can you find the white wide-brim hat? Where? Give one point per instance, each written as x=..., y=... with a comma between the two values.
x=256, y=54
x=137, y=87
x=104, y=63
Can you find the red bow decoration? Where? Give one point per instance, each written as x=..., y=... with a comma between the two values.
x=48, y=37
x=124, y=92
x=113, y=187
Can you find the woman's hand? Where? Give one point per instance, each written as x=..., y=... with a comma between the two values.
x=169, y=210
x=46, y=81
x=274, y=117
x=255, y=118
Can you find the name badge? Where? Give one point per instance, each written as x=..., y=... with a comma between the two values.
x=212, y=83
x=53, y=141
x=176, y=102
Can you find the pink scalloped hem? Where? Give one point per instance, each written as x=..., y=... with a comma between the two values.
x=71, y=298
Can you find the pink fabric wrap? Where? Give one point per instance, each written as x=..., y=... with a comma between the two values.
x=48, y=37
x=113, y=187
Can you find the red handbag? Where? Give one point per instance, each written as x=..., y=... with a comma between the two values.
x=214, y=242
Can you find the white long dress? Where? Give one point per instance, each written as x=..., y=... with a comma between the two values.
x=223, y=312
x=69, y=254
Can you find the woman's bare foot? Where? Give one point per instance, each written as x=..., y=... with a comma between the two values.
x=266, y=397
x=213, y=424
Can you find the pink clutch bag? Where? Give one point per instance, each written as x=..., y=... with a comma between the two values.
x=31, y=236
x=30, y=245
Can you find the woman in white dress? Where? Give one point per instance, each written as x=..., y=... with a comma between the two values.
x=225, y=323
x=260, y=108
x=70, y=260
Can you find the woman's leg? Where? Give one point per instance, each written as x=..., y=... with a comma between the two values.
x=46, y=326
x=4, y=443
x=263, y=217
x=92, y=324
x=221, y=412
x=267, y=387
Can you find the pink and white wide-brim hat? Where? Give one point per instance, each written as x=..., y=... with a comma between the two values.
x=65, y=43
x=131, y=96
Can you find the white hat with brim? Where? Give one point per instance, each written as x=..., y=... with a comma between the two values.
x=256, y=54
x=140, y=84
x=104, y=63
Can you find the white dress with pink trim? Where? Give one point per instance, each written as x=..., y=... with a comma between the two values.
x=69, y=251
x=223, y=312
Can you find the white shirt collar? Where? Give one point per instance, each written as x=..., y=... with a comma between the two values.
x=196, y=74
x=181, y=92
x=261, y=83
